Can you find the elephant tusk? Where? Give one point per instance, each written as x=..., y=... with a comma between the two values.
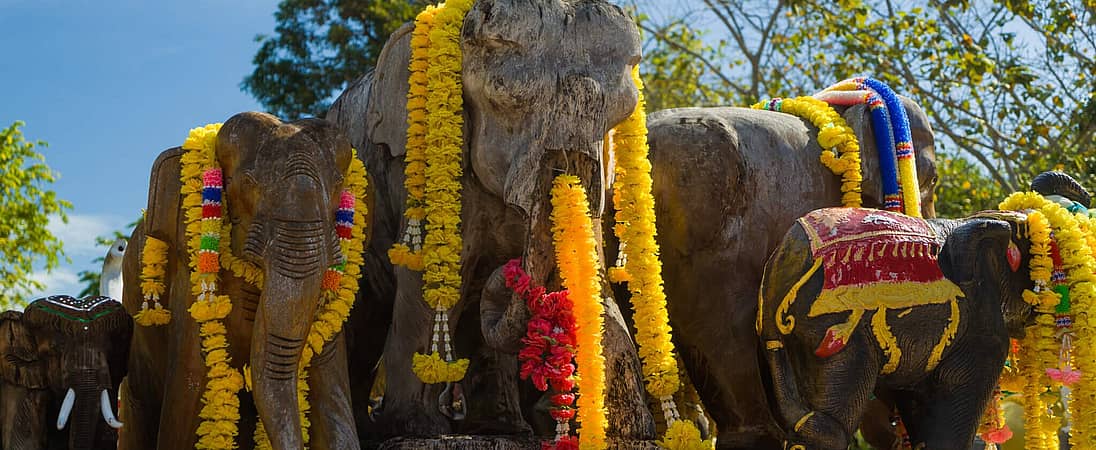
x=108, y=413
x=66, y=409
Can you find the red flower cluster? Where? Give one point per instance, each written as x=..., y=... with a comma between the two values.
x=548, y=355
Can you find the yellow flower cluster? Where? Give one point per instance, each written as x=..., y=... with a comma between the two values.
x=577, y=258
x=840, y=148
x=153, y=262
x=636, y=212
x=221, y=406
x=444, y=141
x=433, y=368
x=406, y=253
x=1078, y=262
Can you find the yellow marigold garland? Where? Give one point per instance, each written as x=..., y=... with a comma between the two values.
x=153, y=262
x=408, y=252
x=220, y=410
x=441, y=251
x=641, y=267
x=577, y=258
x=1077, y=260
x=840, y=148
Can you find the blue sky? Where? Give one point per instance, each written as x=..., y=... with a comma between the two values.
x=109, y=85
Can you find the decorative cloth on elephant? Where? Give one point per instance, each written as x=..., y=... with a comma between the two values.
x=873, y=261
x=76, y=315
x=867, y=253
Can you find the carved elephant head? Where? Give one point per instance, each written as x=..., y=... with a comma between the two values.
x=282, y=187
x=544, y=81
x=63, y=359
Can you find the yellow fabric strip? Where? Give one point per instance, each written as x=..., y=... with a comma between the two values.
x=786, y=323
x=884, y=295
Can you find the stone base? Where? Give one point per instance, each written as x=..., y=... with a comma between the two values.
x=457, y=442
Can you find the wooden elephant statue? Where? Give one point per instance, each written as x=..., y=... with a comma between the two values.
x=858, y=300
x=63, y=360
x=543, y=82
x=280, y=190
x=727, y=182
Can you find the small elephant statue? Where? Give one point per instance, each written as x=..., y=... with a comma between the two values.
x=63, y=360
x=858, y=300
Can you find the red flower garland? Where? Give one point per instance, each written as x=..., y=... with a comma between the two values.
x=549, y=352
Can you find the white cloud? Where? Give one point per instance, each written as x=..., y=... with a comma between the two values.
x=78, y=235
x=62, y=280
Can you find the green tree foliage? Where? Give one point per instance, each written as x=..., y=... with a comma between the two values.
x=1009, y=84
x=26, y=204
x=318, y=47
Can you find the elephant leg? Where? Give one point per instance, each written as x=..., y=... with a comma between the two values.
x=329, y=383
x=948, y=415
x=410, y=406
x=184, y=384
x=836, y=394
x=23, y=415
x=721, y=355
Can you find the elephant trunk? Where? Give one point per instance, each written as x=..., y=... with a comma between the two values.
x=540, y=260
x=85, y=407
x=295, y=259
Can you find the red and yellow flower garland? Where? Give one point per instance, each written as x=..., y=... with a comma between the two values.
x=1078, y=263
x=640, y=266
x=549, y=350
x=440, y=179
x=577, y=258
x=202, y=201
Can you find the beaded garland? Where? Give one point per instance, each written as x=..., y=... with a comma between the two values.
x=902, y=136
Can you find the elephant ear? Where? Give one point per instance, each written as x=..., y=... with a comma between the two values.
x=241, y=135
x=386, y=116
x=21, y=363
x=976, y=246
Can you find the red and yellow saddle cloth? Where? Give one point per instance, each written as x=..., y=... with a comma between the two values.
x=876, y=260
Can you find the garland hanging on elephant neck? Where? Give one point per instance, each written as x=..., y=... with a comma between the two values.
x=433, y=179
x=1062, y=285
x=210, y=252
x=638, y=263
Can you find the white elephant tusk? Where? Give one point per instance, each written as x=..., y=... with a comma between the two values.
x=108, y=413
x=66, y=409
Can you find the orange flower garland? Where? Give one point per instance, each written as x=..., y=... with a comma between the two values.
x=577, y=257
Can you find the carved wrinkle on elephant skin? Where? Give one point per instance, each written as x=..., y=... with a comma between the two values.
x=298, y=248
x=282, y=356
